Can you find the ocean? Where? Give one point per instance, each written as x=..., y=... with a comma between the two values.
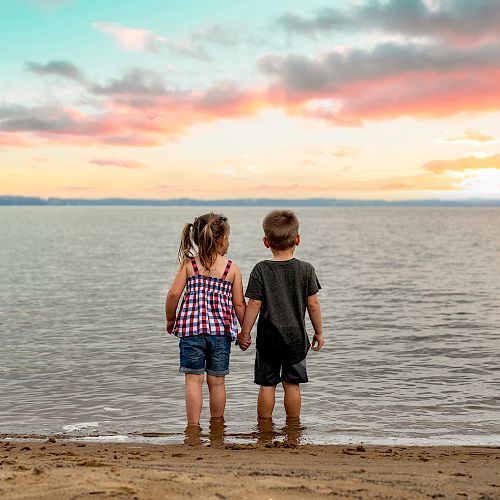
x=410, y=302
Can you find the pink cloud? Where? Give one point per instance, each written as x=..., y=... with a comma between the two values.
x=14, y=140
x=109, y=162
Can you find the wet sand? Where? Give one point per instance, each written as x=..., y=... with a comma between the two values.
x=77, y=470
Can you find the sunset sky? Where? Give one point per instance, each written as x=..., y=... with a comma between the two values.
x=209, y=99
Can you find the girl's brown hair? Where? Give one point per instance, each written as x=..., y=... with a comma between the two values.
x=203, y=235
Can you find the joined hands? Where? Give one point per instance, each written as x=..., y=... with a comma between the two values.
x=244, y=341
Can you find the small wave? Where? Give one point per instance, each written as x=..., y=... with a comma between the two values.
x=106, y=439
x=108, y=408
x=79, y=426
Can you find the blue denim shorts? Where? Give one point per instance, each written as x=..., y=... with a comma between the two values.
x=205, y=353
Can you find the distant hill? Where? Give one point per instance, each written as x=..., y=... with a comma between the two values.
x=242, y=202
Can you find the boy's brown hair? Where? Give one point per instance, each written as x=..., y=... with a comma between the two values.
x=281, y=227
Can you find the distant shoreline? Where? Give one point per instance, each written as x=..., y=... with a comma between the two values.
x=242, y=202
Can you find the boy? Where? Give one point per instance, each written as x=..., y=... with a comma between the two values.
x=281, y=290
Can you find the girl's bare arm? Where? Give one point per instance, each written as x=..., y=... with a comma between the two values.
x=238, y=297
x=173, y=296
x=245, y=337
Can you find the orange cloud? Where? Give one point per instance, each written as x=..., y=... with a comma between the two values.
x=465, y=163
x=471, y=137
x=421, y=182
x=345, y=152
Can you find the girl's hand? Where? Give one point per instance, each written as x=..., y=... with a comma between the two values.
x=170, y=326
x=244, y=341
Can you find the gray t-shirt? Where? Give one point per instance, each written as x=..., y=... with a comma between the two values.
x=283, y=288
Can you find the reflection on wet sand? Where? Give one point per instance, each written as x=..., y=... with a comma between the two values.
x=216, y=431
x=292, y=430
x=268, y=434
x=192, y=435
x=265, y=433
x=265, y=430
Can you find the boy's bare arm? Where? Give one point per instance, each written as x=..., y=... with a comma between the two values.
x=238, y=297
x=173, y=296
x=314, y=311
x=245, y=337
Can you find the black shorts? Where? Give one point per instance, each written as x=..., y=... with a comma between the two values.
x=269, y=373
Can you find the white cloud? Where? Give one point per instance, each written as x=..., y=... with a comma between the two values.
x=132, y=39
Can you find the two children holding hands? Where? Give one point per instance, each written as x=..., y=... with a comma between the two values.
x=279, y=290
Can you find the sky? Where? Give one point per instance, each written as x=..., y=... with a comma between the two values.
x=367, y=99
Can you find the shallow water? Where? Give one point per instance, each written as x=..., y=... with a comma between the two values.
x=410, y=304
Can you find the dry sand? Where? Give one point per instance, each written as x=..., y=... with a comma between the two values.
x=72, y=470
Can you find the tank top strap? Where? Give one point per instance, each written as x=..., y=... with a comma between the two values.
x=228, y=266
x=195, y=267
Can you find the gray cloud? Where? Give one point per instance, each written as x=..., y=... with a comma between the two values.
x=135, y=81
x=220, y=95
x=334, y=70
x=50, y=119
x=65, y=69
x=15, y=118
x=191, y=50
x=217, y=34
x=325, y=20
x=459, y=19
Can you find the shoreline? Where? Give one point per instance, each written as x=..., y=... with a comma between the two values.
x=176, y=438
x=208, y=432
x=268, y=469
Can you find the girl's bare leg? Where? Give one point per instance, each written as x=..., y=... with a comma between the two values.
x=265, y=402
x=217, y=389
x=292, y=399
x=194, y=399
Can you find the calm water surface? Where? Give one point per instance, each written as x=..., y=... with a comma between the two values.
x=411, y=310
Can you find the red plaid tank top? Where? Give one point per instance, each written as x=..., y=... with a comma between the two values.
x=207, y=306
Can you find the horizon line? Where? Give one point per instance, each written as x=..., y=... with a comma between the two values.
x=19, y=200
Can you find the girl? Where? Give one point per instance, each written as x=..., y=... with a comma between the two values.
x=206, y=321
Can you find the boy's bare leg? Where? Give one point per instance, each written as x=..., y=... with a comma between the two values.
x=192, y=434
x=194, y=399
x=217, y=389
x=265, y=402
x=292, y=399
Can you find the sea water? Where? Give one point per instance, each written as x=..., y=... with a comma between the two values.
x=410, y=302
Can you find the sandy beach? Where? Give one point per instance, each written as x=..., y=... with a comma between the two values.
x=65, y=470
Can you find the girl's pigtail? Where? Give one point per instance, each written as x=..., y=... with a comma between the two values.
x=186, y=244
x=207, y=246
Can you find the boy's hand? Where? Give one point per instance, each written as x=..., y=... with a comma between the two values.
x=244, y=341
x=317, y=342
x=170, y=326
